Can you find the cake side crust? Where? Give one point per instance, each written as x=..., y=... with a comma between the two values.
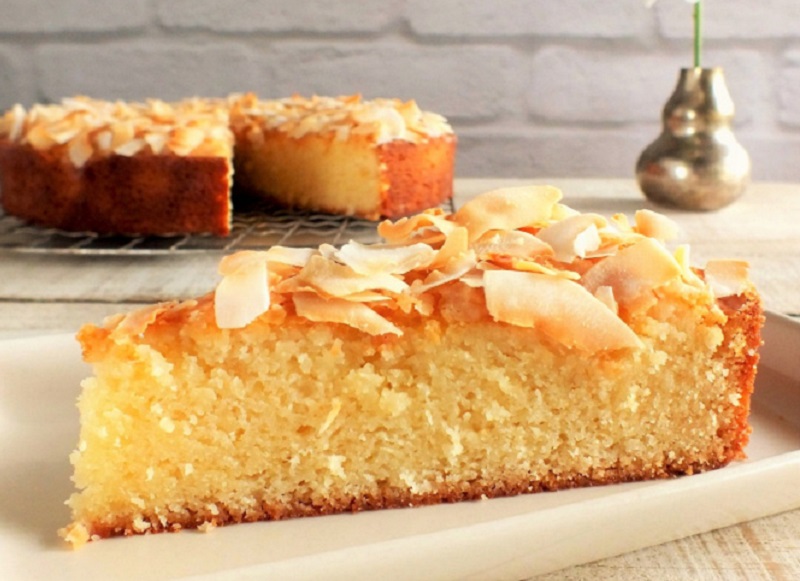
x=143, y=194
x=745, y=320
x=417, y=176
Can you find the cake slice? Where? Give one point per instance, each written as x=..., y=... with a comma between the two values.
x=514, y=346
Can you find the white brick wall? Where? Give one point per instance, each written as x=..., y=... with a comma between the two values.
x=533, y=87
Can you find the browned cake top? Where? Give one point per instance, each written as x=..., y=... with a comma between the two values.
x=515, y=255
x=82, y=128
x=381, y=120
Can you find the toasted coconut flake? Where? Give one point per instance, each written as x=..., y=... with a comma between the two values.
x=473, y=279
x=333, y=310
x=243, y=294
x=573, y=237
x=431, y=236
x=16, y=122
x=633, y=271
x=525, y=265
x=613, y=237
x=122, y=134
x=727, y=277
x=508, y=209
x=621, y=222
x=441, y=222
x=39, y=137
x=240, y=261
x=156, y=141
x=403, y=229
x=184, y=140
x=291, y=285
x=63, y=135
x=241, y=298
x=655, y=225
x=561, y=309
x=289, y=256
x=455, y=245
x=80, y=150
x=605, y=294
x=682, y=254
x=586, y=242
x=454, y=269
x=368, y=297
x=328, y=251
x=511, y=243
x=503, y=249
x=562, y=212
x=136, y=323
x=377, y=259
x=103, y=140
x=603, y=251
x=130, y=148
x=339, y=280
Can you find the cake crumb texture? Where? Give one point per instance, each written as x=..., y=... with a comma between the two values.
x=299, y=419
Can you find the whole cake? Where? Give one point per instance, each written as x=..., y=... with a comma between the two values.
x=161, y=168
x=514, y=346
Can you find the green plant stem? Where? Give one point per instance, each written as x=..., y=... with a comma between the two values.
x=698, y=39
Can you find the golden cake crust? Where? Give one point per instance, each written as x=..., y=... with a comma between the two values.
x=417, y=177
x=116, y=194
x=745, y=319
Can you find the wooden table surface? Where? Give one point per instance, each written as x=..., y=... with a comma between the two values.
x=42, y=293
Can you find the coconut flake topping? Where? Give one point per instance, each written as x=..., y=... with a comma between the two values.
x=530, y=260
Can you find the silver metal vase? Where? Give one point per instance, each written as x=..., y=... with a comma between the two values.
x=696, y=163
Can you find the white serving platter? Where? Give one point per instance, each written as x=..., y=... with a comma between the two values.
x=510, y=538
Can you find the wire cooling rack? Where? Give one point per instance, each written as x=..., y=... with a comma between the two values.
x=256, y=225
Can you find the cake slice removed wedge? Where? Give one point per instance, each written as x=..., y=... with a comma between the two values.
x=515, y=346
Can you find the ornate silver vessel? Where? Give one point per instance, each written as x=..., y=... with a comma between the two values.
x=696, y=163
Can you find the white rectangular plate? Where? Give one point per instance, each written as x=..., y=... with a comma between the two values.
x=509, y=538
